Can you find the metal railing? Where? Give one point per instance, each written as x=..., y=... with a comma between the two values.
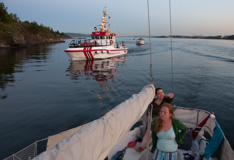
x=30, y=151
x=76, y=43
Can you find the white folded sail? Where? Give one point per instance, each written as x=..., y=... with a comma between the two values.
x=96, y=140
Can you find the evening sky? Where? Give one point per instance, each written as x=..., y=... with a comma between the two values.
x=129, y=17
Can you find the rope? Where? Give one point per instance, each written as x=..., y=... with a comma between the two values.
x=171, y=48
x=151, y=70
x=150, y=109
x=152, y=81
x=151, y=75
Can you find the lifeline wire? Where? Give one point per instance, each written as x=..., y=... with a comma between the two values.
x=151, y=80
x=171, y=48
x=151, y=70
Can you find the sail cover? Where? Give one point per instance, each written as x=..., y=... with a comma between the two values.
x=96, y=140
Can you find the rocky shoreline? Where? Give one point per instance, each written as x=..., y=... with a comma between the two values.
x=21, y=41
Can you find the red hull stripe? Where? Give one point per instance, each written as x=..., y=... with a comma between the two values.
x=84, y=51
x=91, y=53
x=88, y=53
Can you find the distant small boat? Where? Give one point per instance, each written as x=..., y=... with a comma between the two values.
x=101, y=46
x=140, y=41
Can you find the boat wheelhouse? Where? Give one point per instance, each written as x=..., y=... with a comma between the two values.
x=102, y=44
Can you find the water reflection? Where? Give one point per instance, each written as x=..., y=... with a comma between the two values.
x=13, y=61
x=101, y=71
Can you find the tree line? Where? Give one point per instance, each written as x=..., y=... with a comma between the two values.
x=11, y=25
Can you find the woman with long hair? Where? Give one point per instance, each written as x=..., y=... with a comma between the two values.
x=167, y=134
x=157, y=104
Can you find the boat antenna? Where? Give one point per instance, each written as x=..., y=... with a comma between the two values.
x=104, y=21
x=171, y=48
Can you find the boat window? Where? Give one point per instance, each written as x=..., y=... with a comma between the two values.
x=92, y=37
x=102, y=37
x=97, y=37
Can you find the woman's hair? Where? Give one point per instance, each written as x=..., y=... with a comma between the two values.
x=156, y=90
x=159, y=120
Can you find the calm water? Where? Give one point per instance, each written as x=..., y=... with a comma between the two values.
x=43, y=93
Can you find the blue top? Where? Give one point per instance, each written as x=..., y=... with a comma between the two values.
x=166, y=141
x=179, y=128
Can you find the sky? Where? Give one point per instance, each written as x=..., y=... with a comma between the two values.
x=130, y=17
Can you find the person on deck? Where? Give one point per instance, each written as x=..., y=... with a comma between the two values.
x=123, y=44
x=167, y=134
x=157, y=103
x=161, y=98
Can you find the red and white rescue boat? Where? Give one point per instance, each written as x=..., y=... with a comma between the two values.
x=102, y=45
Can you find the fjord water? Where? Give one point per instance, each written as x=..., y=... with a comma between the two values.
x=43, y=93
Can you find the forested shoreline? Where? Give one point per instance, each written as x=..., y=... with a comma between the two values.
x=15, y=33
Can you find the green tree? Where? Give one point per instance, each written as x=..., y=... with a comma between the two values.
x=14, y=17
x=4, y=16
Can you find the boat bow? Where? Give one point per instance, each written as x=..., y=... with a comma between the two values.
x=96, y=140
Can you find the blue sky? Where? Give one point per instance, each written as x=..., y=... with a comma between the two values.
x=129, y=17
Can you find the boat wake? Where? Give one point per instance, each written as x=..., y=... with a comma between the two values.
x=219, y=58
x=216, y=51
